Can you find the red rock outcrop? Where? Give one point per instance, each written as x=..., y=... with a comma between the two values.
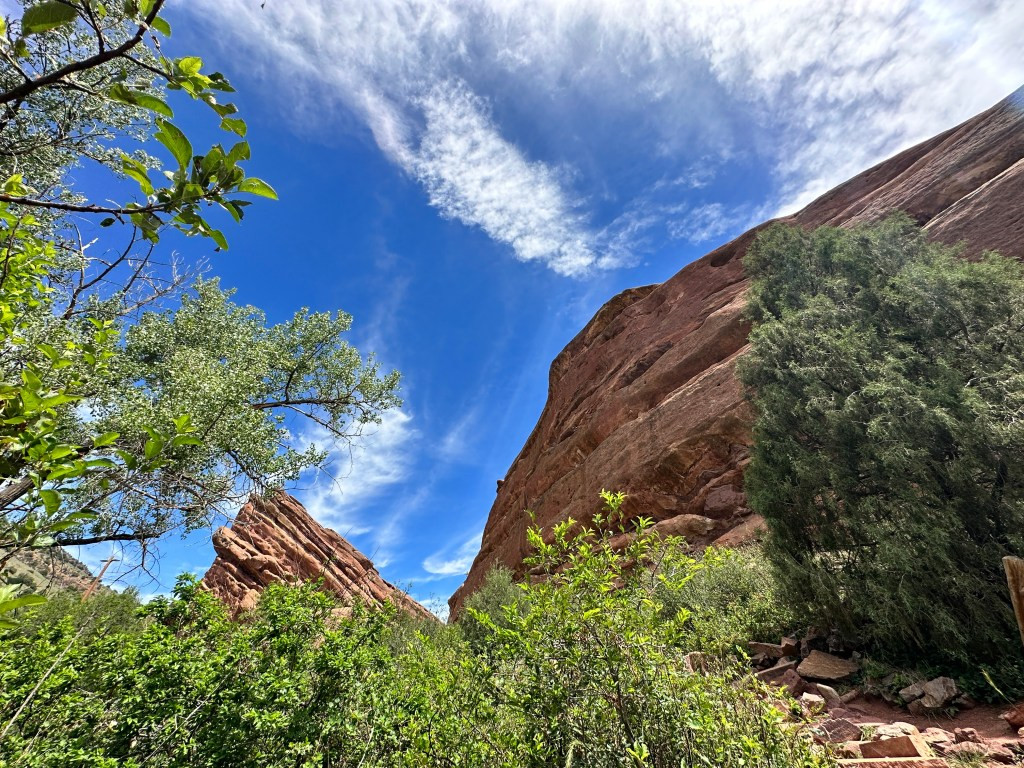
x=276, y=540
x=645, y=400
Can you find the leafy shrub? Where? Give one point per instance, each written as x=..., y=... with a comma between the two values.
x=581, y=669
x=734, y=596
x=886, y=377
x=496, y=596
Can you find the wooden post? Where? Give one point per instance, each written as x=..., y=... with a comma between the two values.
x=111, y=559
x=1014, y=567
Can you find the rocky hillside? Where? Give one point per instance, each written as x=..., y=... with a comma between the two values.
x=46, y=570
x=645, y=398
x=276, y=540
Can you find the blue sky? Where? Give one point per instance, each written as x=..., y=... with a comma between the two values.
x=472, y=181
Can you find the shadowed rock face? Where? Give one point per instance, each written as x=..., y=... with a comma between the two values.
x=645, y=399
x=274, y=540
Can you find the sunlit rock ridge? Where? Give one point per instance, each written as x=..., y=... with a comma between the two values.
x=276, y=540
x=645, y=398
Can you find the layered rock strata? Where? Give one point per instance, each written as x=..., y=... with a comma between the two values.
x=276, y=540
x=645, y=398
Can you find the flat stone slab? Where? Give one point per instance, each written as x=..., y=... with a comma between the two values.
x=824, y=666
x=898, y=762
x=899, y=746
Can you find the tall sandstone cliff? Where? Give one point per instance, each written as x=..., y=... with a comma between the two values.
x=276, y=540
x=645, y=399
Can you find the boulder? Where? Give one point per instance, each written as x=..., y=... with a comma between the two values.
x=936, y=695
x=1015, y=716
x=939, y=693
x=912, y=692
x=893, y=730
x=824, y=666
x=774, y=674
x=836, y=730
x=793, y=683
x=812, y=702
x=898, y=746
x=769, y=650
x=830, y=694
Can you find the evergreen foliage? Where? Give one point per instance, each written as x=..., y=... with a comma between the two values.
x=887, y=376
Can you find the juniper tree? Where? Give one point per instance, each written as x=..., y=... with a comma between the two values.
x=887, y=375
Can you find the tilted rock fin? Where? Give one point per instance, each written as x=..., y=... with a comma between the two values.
x=276, y=540
x=645, y=398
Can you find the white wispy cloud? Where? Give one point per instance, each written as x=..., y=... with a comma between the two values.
x=813, y=91
x=474, y=175
x=357, y=474
x=454, y=560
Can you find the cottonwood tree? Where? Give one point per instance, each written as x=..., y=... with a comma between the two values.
x=137, y=398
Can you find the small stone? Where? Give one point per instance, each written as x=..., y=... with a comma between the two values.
x=892, y=730
x=917, y=707
x=812, y=702
x=830, y=694
x=912, y=692
x=997, y=753
x=897, y=762
x=1015, y=717
x=824, y=666
x=936, y=736
x=961, y=735
x=939, y=693
x=899, y=746
x=836, y=729
x=1020, y=733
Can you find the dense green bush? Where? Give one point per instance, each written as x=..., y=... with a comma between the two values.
x=888, y=380
x=585, y=668
x=733, y=597
x=491, y=604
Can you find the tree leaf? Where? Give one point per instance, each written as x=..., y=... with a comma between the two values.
x=107, y=438
x=160, y=25
x=47, y=15
x=255, y=186
x=190, y=65
x=21, y=602
x=120, y=92
x=172, y=137
x=50, y=499
x=234, y=124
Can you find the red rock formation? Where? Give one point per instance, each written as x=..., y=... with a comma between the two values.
x=645, y=400
x=276, y=540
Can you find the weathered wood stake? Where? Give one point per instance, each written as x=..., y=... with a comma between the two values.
x=1014, y=567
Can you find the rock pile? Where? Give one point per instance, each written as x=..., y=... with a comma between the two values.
x=807, y=669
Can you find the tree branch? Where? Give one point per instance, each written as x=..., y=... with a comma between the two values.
x=19, y=92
